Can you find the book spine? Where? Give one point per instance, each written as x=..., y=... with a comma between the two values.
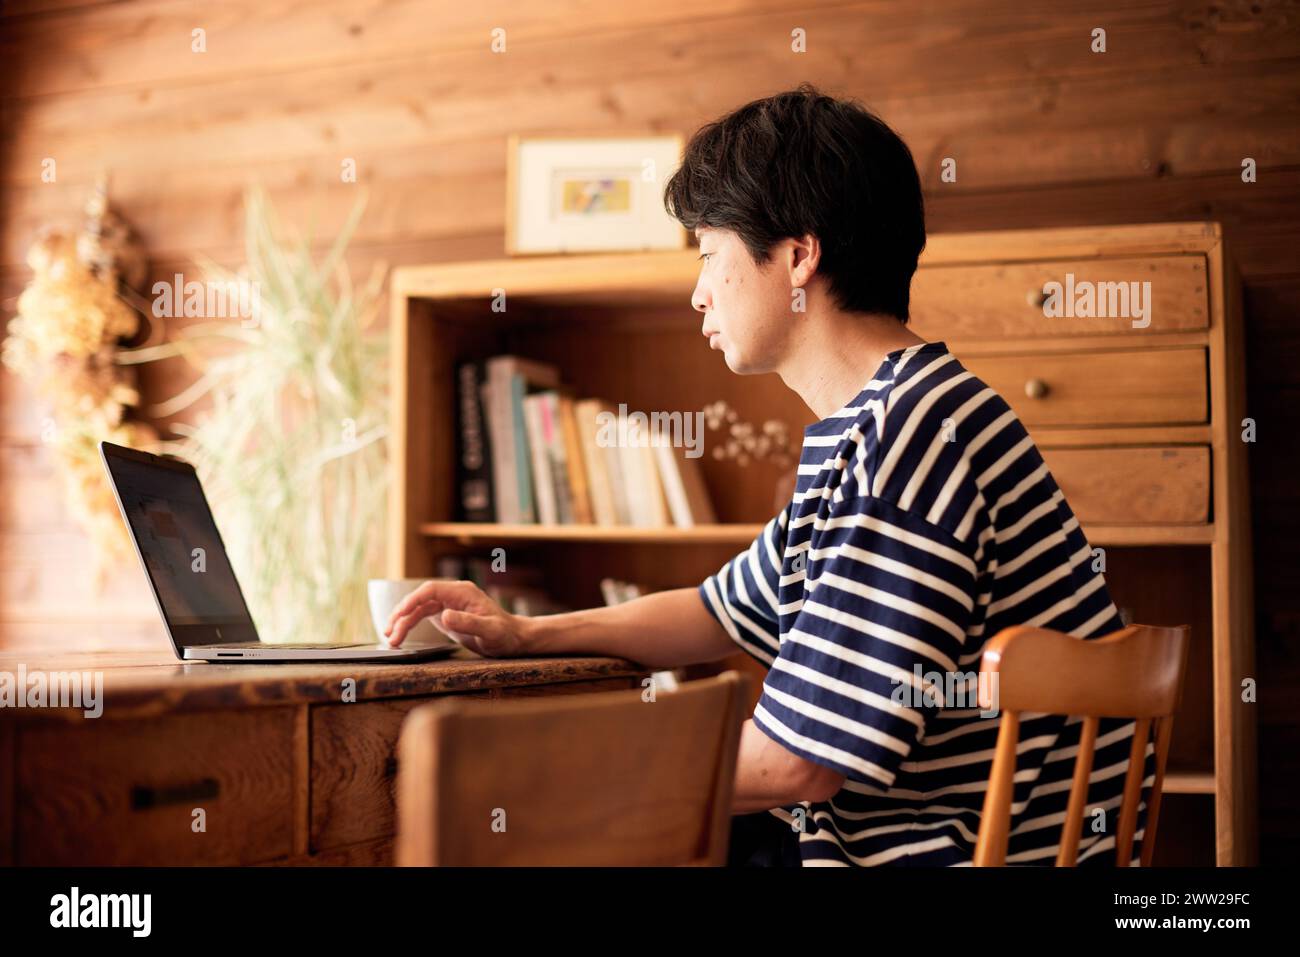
x=523, y=477
x=697, y=492
x=654, y=506
x=533, y=412
x=614, y=464
x=505, y=487
x=674, y=488
x=579, y=483
x=559, y=473
x=474, y=459
x=598, y=477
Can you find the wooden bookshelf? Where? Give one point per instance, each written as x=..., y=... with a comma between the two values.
x=1141, y=428
x=476, y=533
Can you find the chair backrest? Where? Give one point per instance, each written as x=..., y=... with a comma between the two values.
x=602, y=779
x=1136, y=672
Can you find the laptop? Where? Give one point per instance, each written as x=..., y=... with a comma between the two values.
x=198, y=596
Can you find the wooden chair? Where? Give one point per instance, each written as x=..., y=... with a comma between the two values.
x=1136, y=672
x=598, y=779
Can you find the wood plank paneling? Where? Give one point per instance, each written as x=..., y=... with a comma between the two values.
x=147, y=41
x=433, y=159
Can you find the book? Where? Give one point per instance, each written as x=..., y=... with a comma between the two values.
x=610, y=591
x=557, y=456
x=473, y=449
x=508, y=378
x=524, y=484
x=552, y=460
x=594, y=460
x=575, y=466
x=537, y=420
x=645, y=494
x=684, y=488
x=613, y=456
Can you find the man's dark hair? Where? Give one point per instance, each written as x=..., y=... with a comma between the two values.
x=803, y=162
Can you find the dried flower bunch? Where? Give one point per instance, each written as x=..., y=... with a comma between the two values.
x=64, y=341
x=743, y=443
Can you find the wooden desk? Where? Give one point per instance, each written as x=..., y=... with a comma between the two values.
x=270, y=759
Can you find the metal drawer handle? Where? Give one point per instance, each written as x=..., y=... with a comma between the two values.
x=1036, y=388
x=143, y=798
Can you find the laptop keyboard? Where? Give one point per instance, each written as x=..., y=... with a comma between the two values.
x=263, y=644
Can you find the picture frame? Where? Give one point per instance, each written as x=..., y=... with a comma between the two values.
x=571, y=194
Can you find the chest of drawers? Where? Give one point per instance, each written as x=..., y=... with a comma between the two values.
x=1139, y=412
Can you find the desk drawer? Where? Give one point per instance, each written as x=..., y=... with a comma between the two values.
x=124, y=792
x=353, y=768
x=1134, y=485
x=995, y=300
x=1138, y=387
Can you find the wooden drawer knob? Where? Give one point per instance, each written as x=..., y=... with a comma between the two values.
x=1036, y=298
x=1036, y=388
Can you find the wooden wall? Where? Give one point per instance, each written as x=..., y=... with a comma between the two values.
x=1044, y=131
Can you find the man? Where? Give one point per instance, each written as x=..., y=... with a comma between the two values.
x=924, y=521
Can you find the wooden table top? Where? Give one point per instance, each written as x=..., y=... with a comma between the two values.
x=140, y=684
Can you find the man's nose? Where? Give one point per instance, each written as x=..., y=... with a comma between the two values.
x=700, y=300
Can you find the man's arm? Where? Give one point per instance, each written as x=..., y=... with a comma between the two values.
x=768, y=775
x=676, y=625
x=666, y=629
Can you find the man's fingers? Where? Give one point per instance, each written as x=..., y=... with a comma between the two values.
x=421, y=611
x=399, y=629
x=396, y=632
x=469, y=627
x=443, y=601
x=440, y=592
x=414, y=614
x=404, y=607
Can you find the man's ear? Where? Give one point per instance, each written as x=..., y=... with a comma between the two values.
x=807, y=253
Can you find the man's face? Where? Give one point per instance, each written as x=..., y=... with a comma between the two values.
x=747, y=307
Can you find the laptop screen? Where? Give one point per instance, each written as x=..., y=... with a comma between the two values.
x=180, y=548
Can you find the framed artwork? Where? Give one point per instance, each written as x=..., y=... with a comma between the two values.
x=590, y=194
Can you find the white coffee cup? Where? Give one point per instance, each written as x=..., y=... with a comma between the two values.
x=385, y=594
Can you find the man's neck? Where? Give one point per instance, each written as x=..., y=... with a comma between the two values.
x=836, y=354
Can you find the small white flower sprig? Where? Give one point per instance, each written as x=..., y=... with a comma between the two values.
x=742, y=443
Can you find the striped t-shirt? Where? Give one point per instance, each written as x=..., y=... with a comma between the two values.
x=924, y=522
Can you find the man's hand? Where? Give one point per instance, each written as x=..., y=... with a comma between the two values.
x=666, y=629
x=462, y=611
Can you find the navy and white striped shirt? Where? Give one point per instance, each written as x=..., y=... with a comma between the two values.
x=924, y=522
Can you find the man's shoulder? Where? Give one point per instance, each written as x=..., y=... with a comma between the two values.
x=945, y=442
x=937, y=388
